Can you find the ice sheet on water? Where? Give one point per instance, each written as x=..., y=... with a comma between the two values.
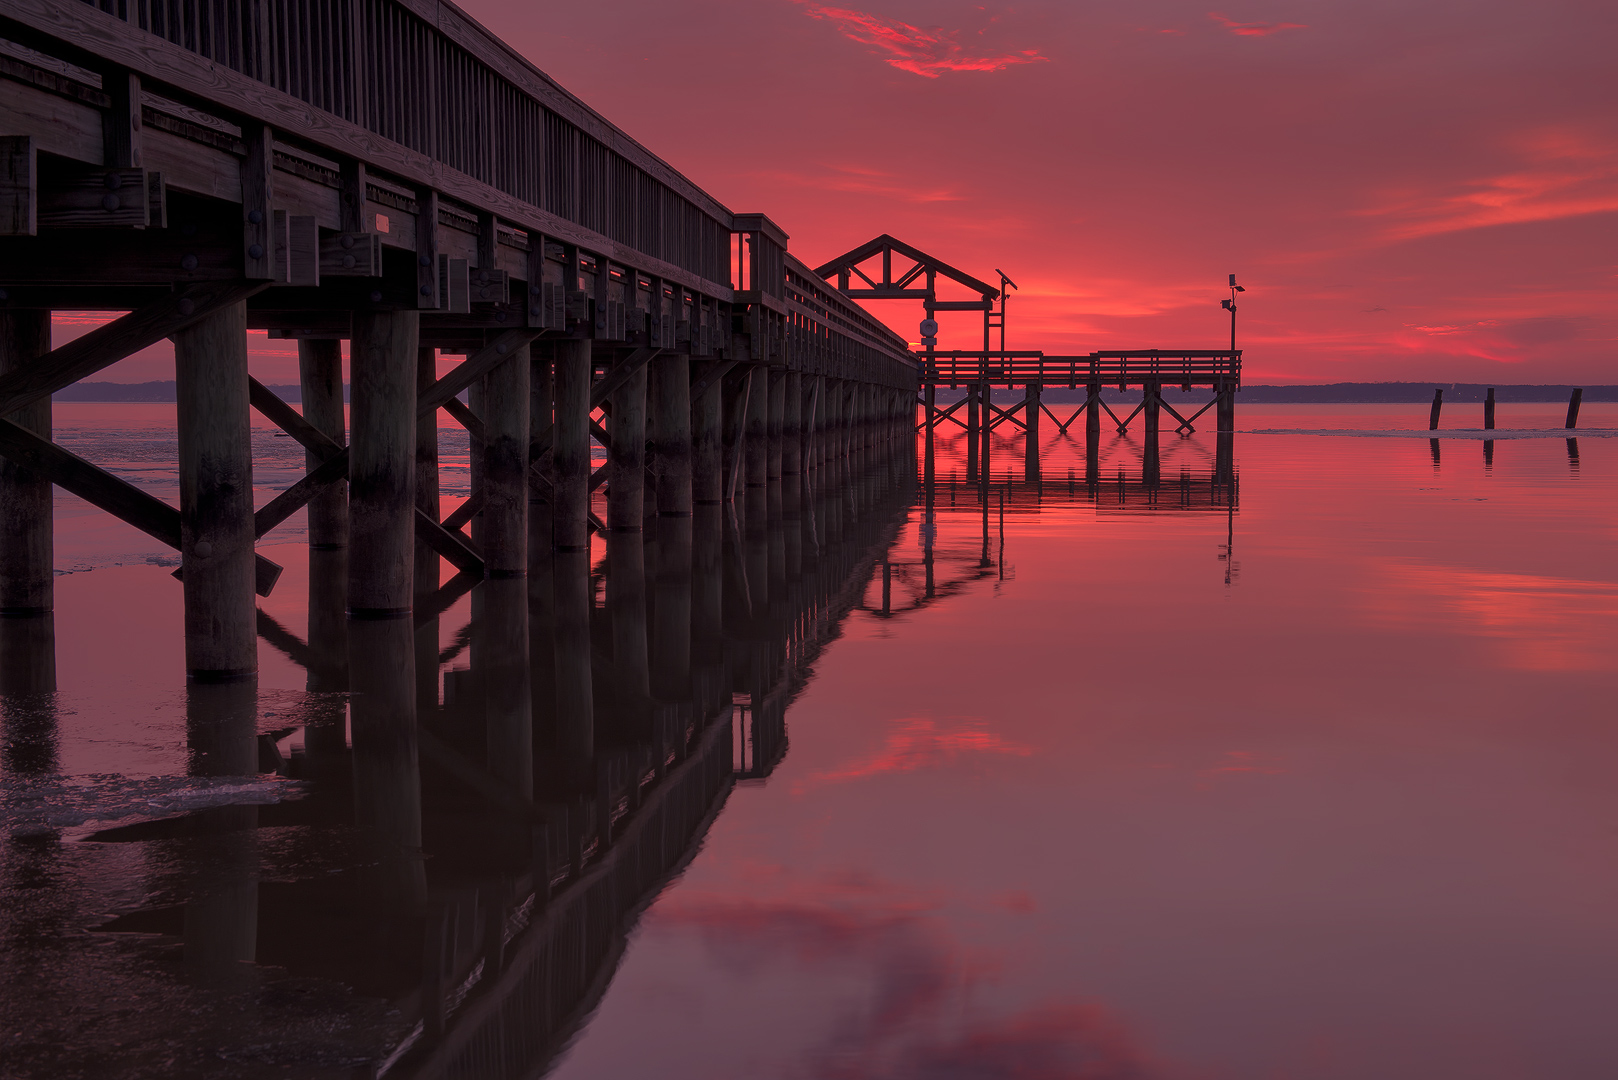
x=36, y=805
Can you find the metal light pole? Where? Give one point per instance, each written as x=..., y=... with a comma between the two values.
x=1230, y=306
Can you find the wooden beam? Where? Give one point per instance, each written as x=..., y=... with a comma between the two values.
x=106, y=345
x=465, y=417
x=464, y=512
x=19, y=186
x=452, y=546
x=707, y=379
x=258, y=197
x=473, y=368
x=292, y=500
x=601, y=435
x=107, y=492
x=289, y=420
x=618, y=374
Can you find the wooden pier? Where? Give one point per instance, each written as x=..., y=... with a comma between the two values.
x=388, y=174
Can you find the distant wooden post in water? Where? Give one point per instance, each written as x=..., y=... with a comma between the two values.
x=1488, y=410
x=1438, y=405
x=1573, y=407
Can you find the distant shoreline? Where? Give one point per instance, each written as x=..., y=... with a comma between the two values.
x=1387, y=393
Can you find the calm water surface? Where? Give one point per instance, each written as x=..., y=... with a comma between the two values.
x=1130, y=783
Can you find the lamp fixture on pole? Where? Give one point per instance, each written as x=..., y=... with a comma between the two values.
x=1230, y=306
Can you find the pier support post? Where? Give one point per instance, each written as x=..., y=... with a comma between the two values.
x=1488, y=410
x=756, y=442
x=541, y=496
x=383, y=363
x=427, y=492
x=505, y=468
x=972, y=431
x=27, y=585
x=1030, y=411
x=1438, y=406
x=1225, y=407
x=382, y=716
x=1092, y=434
x=626, y=475
x=775, y=423
x=570, y=453
x=320, y=385
x=670, y=414
x=792, y=425
x=707, y=445
x=1573, y=407
x=216, y=496
x=1153, y=405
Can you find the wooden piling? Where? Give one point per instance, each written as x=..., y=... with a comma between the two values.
x=383, y=724
x=216, y=496
x=570, y=455
x=1573, y=407
x=972, y=435
x=775, y=423
x=671, y=609
x=426, y=573
x=26, y=531
x=320, y=382
x=1152, y=406
x=756, y=447
x=708, y=444
x=1488, y=410
x=1031, y=407
x=669, y=412
x=1225, y=407
x=1438, y=405
x=383, y=362
x=792, y=425
x=505, y=468
x=626, y=473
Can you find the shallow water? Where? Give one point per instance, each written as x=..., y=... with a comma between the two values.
x=1123, y=782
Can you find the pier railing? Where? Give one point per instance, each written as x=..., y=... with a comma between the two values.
x=423, y=75
x=1185, y=367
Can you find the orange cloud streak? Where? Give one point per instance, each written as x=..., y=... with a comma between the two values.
x=1254, y=29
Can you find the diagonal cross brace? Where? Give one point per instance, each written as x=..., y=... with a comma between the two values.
x=118, y=497
x=106, y=345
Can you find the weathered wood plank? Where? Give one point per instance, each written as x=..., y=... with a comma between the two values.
x=94, y=198
x=452, y=546
x=19, y=186
x=473, y=368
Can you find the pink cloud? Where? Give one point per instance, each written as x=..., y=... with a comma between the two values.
x=928, y=53
x=1253, y=29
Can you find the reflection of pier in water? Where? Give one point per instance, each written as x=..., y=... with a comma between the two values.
x=493, y=865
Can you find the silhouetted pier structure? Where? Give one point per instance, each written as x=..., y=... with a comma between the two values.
x=392, y=176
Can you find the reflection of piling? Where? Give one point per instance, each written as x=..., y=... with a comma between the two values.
x=792, y=425
x=387, y=786
x=570, y=455
x=426, y=559
x=1224, y=457
x=28, y=734
x=383, y=362
x=1433, y=446
x=1488, y=454
x=508, y=711
x=574, y=734
x=325, y=742
x=26, y=554
x=216, y=496
x=671, y=608
x=320, y=388
x=626, y=607
x=221, y=910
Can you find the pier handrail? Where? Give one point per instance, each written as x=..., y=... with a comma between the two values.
x=419, y=89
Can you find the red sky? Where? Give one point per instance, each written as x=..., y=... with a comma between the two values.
x=1409, y=191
